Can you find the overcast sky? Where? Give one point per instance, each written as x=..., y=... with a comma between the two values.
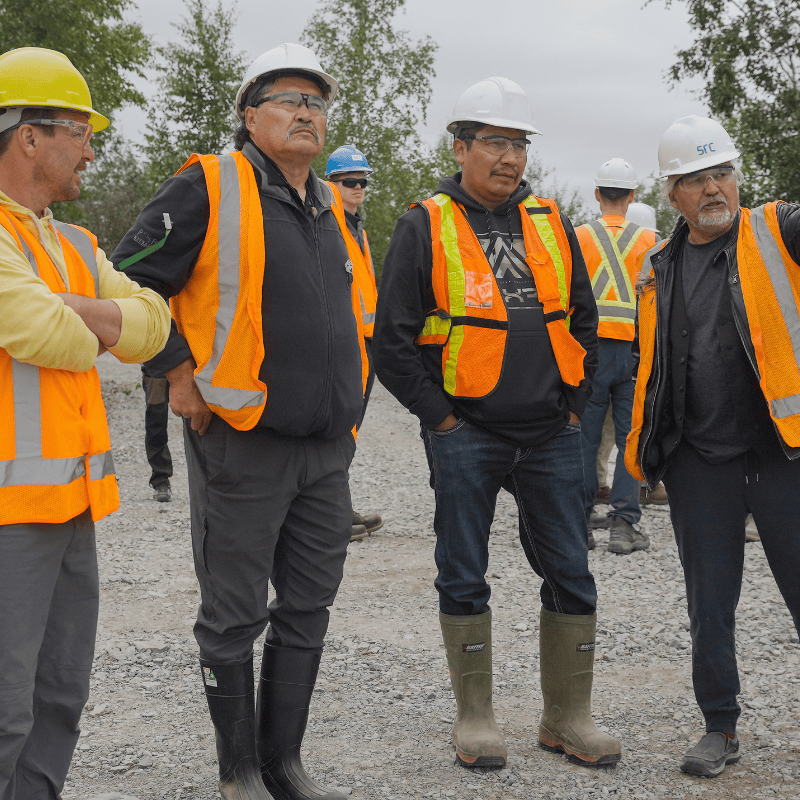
x=594, y=70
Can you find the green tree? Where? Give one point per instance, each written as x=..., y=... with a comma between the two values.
x=385, y=88
x=197, y=82
x=568, y=199
x=108, y=51
x=748, y=52
x=650, y=193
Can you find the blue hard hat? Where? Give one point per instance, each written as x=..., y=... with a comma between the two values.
x=347, y=158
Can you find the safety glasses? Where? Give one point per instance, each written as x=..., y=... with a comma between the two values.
x=77, y=130
x=351, y=183
x=500, y=145
x=287, y=100
x=720, y=176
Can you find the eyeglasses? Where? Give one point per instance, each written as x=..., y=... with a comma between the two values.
x=78, y=130
x=351, y=183
x=500, y=145
x=720, y=176
x=314, y=103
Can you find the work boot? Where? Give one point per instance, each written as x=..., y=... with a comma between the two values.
x=657, y=497
x=711, y=755
x=624, y=538
x=372, y=522
x=358, y=533
x=597, y=519
x=566, y=660
x=287, y=682
x=162, y=492
x=468, y=644
x=229, y=693
x=603, y=494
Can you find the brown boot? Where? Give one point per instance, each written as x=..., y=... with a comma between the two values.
x=566, y=656
x=468, y=643
x=372, y=522
x=658, y=497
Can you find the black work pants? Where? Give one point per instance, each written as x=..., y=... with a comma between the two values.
x=156, y=417
x=708, y=506
x=266, y=507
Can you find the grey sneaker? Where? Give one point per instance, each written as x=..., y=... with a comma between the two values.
x=711, y=755
x=624, y=538
x=162, y=492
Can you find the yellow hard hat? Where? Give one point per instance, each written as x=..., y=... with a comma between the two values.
x=34, y=77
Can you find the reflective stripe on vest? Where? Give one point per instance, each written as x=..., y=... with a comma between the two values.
x=612, y=275
x=228, y=271
x=771, y=289
x=29, y=467
x=83, y=243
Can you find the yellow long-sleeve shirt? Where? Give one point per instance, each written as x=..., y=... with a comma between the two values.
x=37, y=328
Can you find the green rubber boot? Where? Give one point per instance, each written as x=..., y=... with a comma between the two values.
x=468, y=643
x=566, y=650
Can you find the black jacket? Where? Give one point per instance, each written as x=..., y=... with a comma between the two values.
x=312, y=364
x=661, y=431
x=530, y=403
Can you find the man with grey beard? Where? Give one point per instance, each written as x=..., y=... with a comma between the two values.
x=717, y=403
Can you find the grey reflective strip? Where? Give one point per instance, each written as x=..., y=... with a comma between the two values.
x=27, y=410
x=42, y=471
x=29, y=468
x=631, y=229
x=28, y=253
x=85, y=247
x=101, y=466
x=613, y=261
x=786, y=406
x=781, y=285
x=608, y=313
x=228, y=278
x=368, y=319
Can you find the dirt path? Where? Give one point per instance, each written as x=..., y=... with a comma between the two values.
x=380, y=720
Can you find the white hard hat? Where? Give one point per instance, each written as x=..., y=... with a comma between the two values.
x=642, y=214
x=284, y=57
x=693, y=143
x=617, y=173
x=495, y=101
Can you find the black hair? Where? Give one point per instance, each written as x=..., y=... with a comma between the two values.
x=613, y=192
x=466, y=131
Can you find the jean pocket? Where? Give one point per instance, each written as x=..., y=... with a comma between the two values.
x=570, y=427
x=457, y=427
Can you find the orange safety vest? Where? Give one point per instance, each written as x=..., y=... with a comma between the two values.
x=470, y=319
x=218, y=311
x=613, y=253
x=771, y=291
x=55, y=451
x=363, y=274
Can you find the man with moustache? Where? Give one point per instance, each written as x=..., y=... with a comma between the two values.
x=486, y=329
x=265, y=367
x=717, y=403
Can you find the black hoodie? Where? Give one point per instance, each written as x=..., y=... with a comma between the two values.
x=530, y=403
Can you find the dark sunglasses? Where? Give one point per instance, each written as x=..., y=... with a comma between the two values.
x=351, y=183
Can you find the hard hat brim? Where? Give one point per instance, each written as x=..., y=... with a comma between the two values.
x=611, y=183
x=96, y=120
x=701, y=164
x=365, y=170
x=453, y=123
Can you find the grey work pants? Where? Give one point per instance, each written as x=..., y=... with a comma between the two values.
x=266, y=507
x=48, y=621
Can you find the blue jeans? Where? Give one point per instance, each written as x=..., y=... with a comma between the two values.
x=612, y=383
x=468, y=468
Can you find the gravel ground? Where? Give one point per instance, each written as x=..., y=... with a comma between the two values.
x=381, y=715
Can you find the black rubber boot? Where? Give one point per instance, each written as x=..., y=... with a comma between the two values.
x=229, y=693
x=287, y=682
